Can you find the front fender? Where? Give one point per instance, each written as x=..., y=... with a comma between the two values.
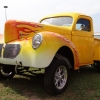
x=51, y=43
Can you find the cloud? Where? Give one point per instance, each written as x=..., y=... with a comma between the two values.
x=28, y=9
x=85, y=6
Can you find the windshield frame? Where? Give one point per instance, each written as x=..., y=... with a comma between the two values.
x=58, y=17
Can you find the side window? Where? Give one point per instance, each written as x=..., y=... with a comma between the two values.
x=83, y=24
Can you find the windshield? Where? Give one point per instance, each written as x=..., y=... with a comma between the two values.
x=59, y=21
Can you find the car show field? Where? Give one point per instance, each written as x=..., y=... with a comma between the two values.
x=84, y=85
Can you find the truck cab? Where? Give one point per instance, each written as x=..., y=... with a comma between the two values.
x=81, y=33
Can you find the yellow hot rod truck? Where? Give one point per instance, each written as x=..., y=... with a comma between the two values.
x=56, y=44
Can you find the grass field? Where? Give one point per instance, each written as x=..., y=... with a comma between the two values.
x=84, y=85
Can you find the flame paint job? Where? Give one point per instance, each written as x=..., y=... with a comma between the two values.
x=15, y=30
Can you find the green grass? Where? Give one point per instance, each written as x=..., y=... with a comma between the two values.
x=84, y=85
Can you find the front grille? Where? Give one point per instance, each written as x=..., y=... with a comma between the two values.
x=11, y=50
x=1, y=45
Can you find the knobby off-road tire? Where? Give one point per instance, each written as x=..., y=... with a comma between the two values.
x=7, y=71
x=97, y=65
x=56, y=76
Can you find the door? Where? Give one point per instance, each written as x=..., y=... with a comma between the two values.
x=82, y=37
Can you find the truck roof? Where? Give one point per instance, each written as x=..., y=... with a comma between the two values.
x=73, y=14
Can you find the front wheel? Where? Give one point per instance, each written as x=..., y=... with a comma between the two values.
x=7, y=71
x=56, y=76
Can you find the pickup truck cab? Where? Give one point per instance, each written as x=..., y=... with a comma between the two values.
x=56, y=44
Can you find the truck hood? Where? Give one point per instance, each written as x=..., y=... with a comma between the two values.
x=16, y=30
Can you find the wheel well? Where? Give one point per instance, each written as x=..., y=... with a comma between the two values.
x=67, y=53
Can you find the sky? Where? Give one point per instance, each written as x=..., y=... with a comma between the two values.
x=34, y=10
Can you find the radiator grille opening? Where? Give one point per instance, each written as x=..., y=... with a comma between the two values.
x=11, y=50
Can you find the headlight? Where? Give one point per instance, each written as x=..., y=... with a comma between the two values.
x=36, y=41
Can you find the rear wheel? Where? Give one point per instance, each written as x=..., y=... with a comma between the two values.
x=56, y=76
x=97, y=65
x=7, y=71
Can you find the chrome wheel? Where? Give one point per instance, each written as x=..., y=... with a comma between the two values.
x=60, y=78
x=56, y=76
